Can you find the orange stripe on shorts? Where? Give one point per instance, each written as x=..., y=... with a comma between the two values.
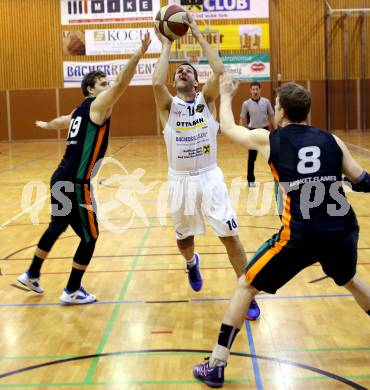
x=263, y=260
x=90, y=212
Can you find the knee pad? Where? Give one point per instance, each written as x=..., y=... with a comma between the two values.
x=185, y=243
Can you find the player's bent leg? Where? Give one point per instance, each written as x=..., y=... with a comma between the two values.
x=360, y=291
x=240, y=302
x=186, y=247
x=238, y=260
x=211, y=371
x=31, y=277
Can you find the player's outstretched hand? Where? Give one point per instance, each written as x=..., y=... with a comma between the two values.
x=43, y=125
x=164, y=40
x=228, y=86
x=145, y=42
x=193, y=26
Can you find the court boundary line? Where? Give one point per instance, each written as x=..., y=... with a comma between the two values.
x=328, y=374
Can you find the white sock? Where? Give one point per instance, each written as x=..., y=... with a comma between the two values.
x=191, y=263
x=219, y=356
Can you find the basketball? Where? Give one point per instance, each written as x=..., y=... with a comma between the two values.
x=170, y=21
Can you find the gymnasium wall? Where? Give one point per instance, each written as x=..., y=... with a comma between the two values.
x=31, y=77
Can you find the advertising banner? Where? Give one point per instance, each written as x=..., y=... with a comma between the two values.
x=231, y=37
x=75, y=71
x=119, y=41
x=244, y=67
x=107, y=11
x=226, y=9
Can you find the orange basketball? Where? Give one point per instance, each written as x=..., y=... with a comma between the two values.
x=170, y=21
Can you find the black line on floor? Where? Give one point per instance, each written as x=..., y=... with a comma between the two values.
x=148, y=351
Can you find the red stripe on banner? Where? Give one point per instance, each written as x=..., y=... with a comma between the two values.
x=84, y=21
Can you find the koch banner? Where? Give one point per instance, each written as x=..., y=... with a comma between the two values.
x=119, y=41
x=108, y=11
x=244, y=67
x=226, y=9
x=75, y=71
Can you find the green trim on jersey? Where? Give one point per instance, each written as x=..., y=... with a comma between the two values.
x=86, y=153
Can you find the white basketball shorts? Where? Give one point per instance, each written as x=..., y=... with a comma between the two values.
x=193, y=196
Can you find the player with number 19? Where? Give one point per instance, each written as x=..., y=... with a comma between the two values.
x=71, y=193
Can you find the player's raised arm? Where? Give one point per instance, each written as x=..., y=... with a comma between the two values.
x=102, y=105
x=211, y=87
x=162, y=96
x=59, y=123
x=257, y=139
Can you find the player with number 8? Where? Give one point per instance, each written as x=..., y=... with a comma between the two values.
x=305, y=162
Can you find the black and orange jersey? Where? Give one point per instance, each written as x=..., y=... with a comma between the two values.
x=306, y=163
x=87, y=143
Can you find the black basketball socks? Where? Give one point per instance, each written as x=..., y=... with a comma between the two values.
x=227, y=335
x=34, y=270
x=74, y=282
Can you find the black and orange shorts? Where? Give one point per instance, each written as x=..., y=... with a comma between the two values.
x=278, y=260
x=78, y=202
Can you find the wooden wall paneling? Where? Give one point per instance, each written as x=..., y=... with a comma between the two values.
x=31, y=31
x=367, y=119
x=354, y=36
x=302, y=39
x=29, y=105
x=318, y=105
x=352, y=105
x=3, y=117
x=69, y=99
x=30, y=44
x=135, y=113
x=275, y=61
x=337, y=106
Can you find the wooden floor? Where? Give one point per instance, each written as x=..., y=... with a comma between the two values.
x=149, y=328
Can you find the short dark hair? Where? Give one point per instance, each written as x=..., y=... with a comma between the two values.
x=90, y=79
x=295, y=100
x=187, y=63
x=255, y=84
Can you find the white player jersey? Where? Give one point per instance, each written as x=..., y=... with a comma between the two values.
x=190, y=135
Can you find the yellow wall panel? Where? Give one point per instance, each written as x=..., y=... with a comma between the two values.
x=31, y=44
x=302, y=40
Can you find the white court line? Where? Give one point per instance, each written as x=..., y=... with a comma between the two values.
x=22, y=212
